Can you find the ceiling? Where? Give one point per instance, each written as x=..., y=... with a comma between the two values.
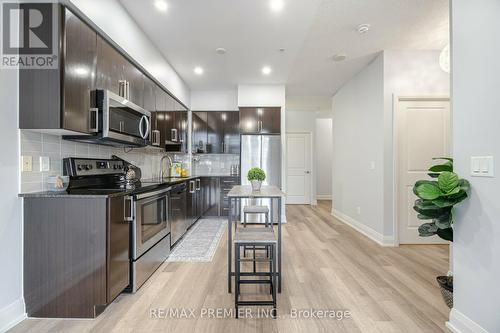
x=310, y=31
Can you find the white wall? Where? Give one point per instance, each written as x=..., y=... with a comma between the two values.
x=476, y=123
x=358, y=137
x=406, y=73
x=11, y=224
x=319, y=124
x=214, y=100
x=401, y=73
x=324, y=156
x=125, y=32
x=261, y=95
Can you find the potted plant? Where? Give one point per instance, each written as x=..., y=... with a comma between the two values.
x=436, y=199
x=256, y=176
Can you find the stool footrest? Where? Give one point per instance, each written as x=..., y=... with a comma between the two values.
x=255, y=282
x=249, y=303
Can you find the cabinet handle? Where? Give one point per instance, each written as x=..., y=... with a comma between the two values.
x=173, y=134
x=198, y=184
x=223, y=147
x=129, y=209
x=156, y=137
x=121, y=126
x=93, y=120
x=191, y=186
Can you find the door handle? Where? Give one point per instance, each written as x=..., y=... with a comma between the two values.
x=308, y=172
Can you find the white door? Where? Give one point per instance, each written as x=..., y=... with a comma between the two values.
x=423, y=133
x=298, y=175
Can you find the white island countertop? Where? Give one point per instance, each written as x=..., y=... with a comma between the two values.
x=245, y=191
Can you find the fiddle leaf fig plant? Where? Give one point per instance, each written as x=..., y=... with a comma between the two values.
x=436, y=199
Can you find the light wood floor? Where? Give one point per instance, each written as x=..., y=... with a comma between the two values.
x=327, y=265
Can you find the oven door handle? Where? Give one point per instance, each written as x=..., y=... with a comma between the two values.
x=152, y=194
x=129, y=208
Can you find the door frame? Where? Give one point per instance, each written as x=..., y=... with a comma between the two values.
x=312, y=199
x=396, y=101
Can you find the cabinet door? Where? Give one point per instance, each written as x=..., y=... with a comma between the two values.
x=80, y=47
x=199, y=132
x=270, y=120
x=215, y=132
x=249, y=120
x=136, y=83
x=118, y=240
x=110, y=66
x=182, y=125
x=231, y=132
x=160, y=106
x=171, y=124
x=149, y=96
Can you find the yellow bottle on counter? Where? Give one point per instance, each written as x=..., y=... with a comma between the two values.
x=184, y=172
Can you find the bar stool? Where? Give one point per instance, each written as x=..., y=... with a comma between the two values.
x=256, y=237
x=256, y=209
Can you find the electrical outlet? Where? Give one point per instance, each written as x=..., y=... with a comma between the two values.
x=358, y=209
x=44, y=163
x=26, y=163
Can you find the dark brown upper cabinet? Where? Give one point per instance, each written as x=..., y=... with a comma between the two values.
x=79, y=68
x=231, y=132
x=60, y=99
x=182, y=125
x=260, y=120
x=199, y=132
x=113, y=67
x=216, y=132
x=110, y=66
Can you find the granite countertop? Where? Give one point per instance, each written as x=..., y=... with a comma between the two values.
x=245, y=191
x=144, y=186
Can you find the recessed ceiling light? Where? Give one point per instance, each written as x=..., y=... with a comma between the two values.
x=220, y=50
x=266, y=70
x=277, y=5
x=198, y=70
x=339, y=57
x=161, y=5
x=363, y=28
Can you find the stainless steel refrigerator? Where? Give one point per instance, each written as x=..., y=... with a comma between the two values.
x=263, y=151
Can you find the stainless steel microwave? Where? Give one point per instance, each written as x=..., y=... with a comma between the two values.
x=116, y=121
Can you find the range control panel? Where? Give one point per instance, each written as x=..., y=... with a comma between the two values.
x=92, y=167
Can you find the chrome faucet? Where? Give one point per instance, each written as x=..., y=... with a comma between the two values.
x=161, y=165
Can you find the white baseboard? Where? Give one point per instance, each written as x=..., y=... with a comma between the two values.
x=12, y=314
x=364, y=229
x=323, y=197
x=460, y=323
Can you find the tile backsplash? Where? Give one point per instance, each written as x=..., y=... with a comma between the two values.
x=214, y=164
x=37, y=144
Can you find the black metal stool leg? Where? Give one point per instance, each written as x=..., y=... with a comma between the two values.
x=237, y=277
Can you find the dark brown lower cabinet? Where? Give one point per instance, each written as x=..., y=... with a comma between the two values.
x=75, y=255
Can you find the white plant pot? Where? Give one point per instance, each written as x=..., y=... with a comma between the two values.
x=256, y=184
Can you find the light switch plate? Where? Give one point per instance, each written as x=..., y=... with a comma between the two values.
x=26, y=163
x=482, y=166
x=44, y=163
